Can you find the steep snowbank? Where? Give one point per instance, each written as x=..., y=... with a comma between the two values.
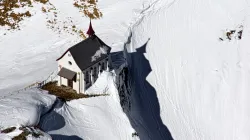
x=186, y=84
x=90, y=118
x=201, y=83
x=24, y=109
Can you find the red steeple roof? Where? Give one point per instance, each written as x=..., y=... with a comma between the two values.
x=90, y=31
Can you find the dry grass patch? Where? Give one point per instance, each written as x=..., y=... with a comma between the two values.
x=89, y=8
x=8, y=130
x=42, y=1
x=44, y=10
x=68, y=27
x=27, y=131
x=21, y=136
x=10, y=18
x=82, y=35
x=66, y=93
x=7, y=15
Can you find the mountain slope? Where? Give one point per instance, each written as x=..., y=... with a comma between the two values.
x=200, y=82
x=188, y=79
x=30, y=53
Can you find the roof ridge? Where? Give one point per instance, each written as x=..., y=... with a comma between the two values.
x=80, y=42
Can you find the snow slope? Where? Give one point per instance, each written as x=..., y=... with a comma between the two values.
x=89, y=118
x=201, y=83
x=95, y=118
x=24, y=109
x=30, y=54
x=186, y=84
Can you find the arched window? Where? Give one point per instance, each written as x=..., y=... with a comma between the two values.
x=103, y=66
x=87, y=77
x=95, y=72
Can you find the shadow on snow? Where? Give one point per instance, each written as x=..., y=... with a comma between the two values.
x=54, y=121
x=144, y=114
x=64, y=137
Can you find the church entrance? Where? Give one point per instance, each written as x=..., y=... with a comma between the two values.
x=70, y=83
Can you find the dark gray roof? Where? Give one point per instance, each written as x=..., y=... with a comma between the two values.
x=84, y=52
x=68, y=74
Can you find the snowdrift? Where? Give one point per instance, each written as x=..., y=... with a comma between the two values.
x=24, y=109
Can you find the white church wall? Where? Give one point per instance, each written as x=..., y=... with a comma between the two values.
x=80, y=84
x=68, y=62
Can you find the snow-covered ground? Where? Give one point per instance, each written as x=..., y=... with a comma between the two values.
x=201, y=83
x=91, y=118
x=24, y=109
x=31, y=104
x=186, y=83
x=31, y=55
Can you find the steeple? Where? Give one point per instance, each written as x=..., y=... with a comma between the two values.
x=90, y=31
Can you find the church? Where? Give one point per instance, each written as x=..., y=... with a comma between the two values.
x=81, y=64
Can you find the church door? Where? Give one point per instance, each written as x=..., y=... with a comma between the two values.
x=70, y=83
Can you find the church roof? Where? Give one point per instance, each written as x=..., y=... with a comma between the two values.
x=88, y=52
